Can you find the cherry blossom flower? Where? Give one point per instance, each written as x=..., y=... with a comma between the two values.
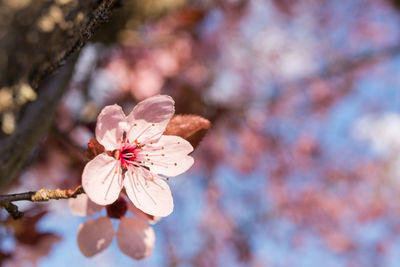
x=135, y=237
x=137, y=153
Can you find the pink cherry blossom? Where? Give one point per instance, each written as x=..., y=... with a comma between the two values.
x=135, y=237
x=136, y=154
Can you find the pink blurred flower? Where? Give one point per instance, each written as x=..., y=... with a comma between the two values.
x=136, y=153
x=148, y=80
x=135, y=237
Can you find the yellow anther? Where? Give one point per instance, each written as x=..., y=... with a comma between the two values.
x=162, y=155
x=162, y=147
x=152, y=124
x=151, y=179
x=116, y=171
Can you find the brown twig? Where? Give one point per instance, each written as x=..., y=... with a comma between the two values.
x=13, y=210
x=36, y=196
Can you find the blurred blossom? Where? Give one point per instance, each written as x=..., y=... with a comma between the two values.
x=5, y=98
x=25, y=93
x=80, y=135
x=134, y=237
x=382, y=131
x=166, y=62
x=142, y=81
x=148, y=81
x=8, y=123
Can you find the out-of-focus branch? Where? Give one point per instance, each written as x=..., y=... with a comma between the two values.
x=36, y=117
x=13, y=210
x=36, y=196
x=15, y=149
x=99, y=16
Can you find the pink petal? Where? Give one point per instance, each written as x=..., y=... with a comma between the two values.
x=111, y=124
x=143, y=216
x=169, y=155
x=102, y=179
x=157, y=109
x=83, y=206
x=95, y=235
x=144, y=132
x=135, y=238
x=148, y=192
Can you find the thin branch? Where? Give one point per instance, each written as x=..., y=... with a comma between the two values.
x=42, y=195
x=13, y=210
x=36, y=196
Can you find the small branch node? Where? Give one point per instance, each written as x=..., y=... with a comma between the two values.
x=13, y=210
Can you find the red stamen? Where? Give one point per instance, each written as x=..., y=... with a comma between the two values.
x=127, y=154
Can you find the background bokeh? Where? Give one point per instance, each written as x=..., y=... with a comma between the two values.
x=302, y=164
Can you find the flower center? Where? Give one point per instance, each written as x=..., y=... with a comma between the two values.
x=127, y=154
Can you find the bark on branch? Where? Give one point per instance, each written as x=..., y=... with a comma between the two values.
x=36, y=117
x=36, y=196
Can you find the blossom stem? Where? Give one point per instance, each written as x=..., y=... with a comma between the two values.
x=36, y=196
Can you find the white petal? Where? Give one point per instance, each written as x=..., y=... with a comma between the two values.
x=144, y=132
x=135, y=238
x=168, y=156
x=102, y=179
x=83, y=206
x=95, y=235
x=148, y=192
x=156, y=110
x=110, y=126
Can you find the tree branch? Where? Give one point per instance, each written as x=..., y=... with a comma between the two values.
x=36, y=196
x=36, y=117
x=13, y=210
x=99, y=16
